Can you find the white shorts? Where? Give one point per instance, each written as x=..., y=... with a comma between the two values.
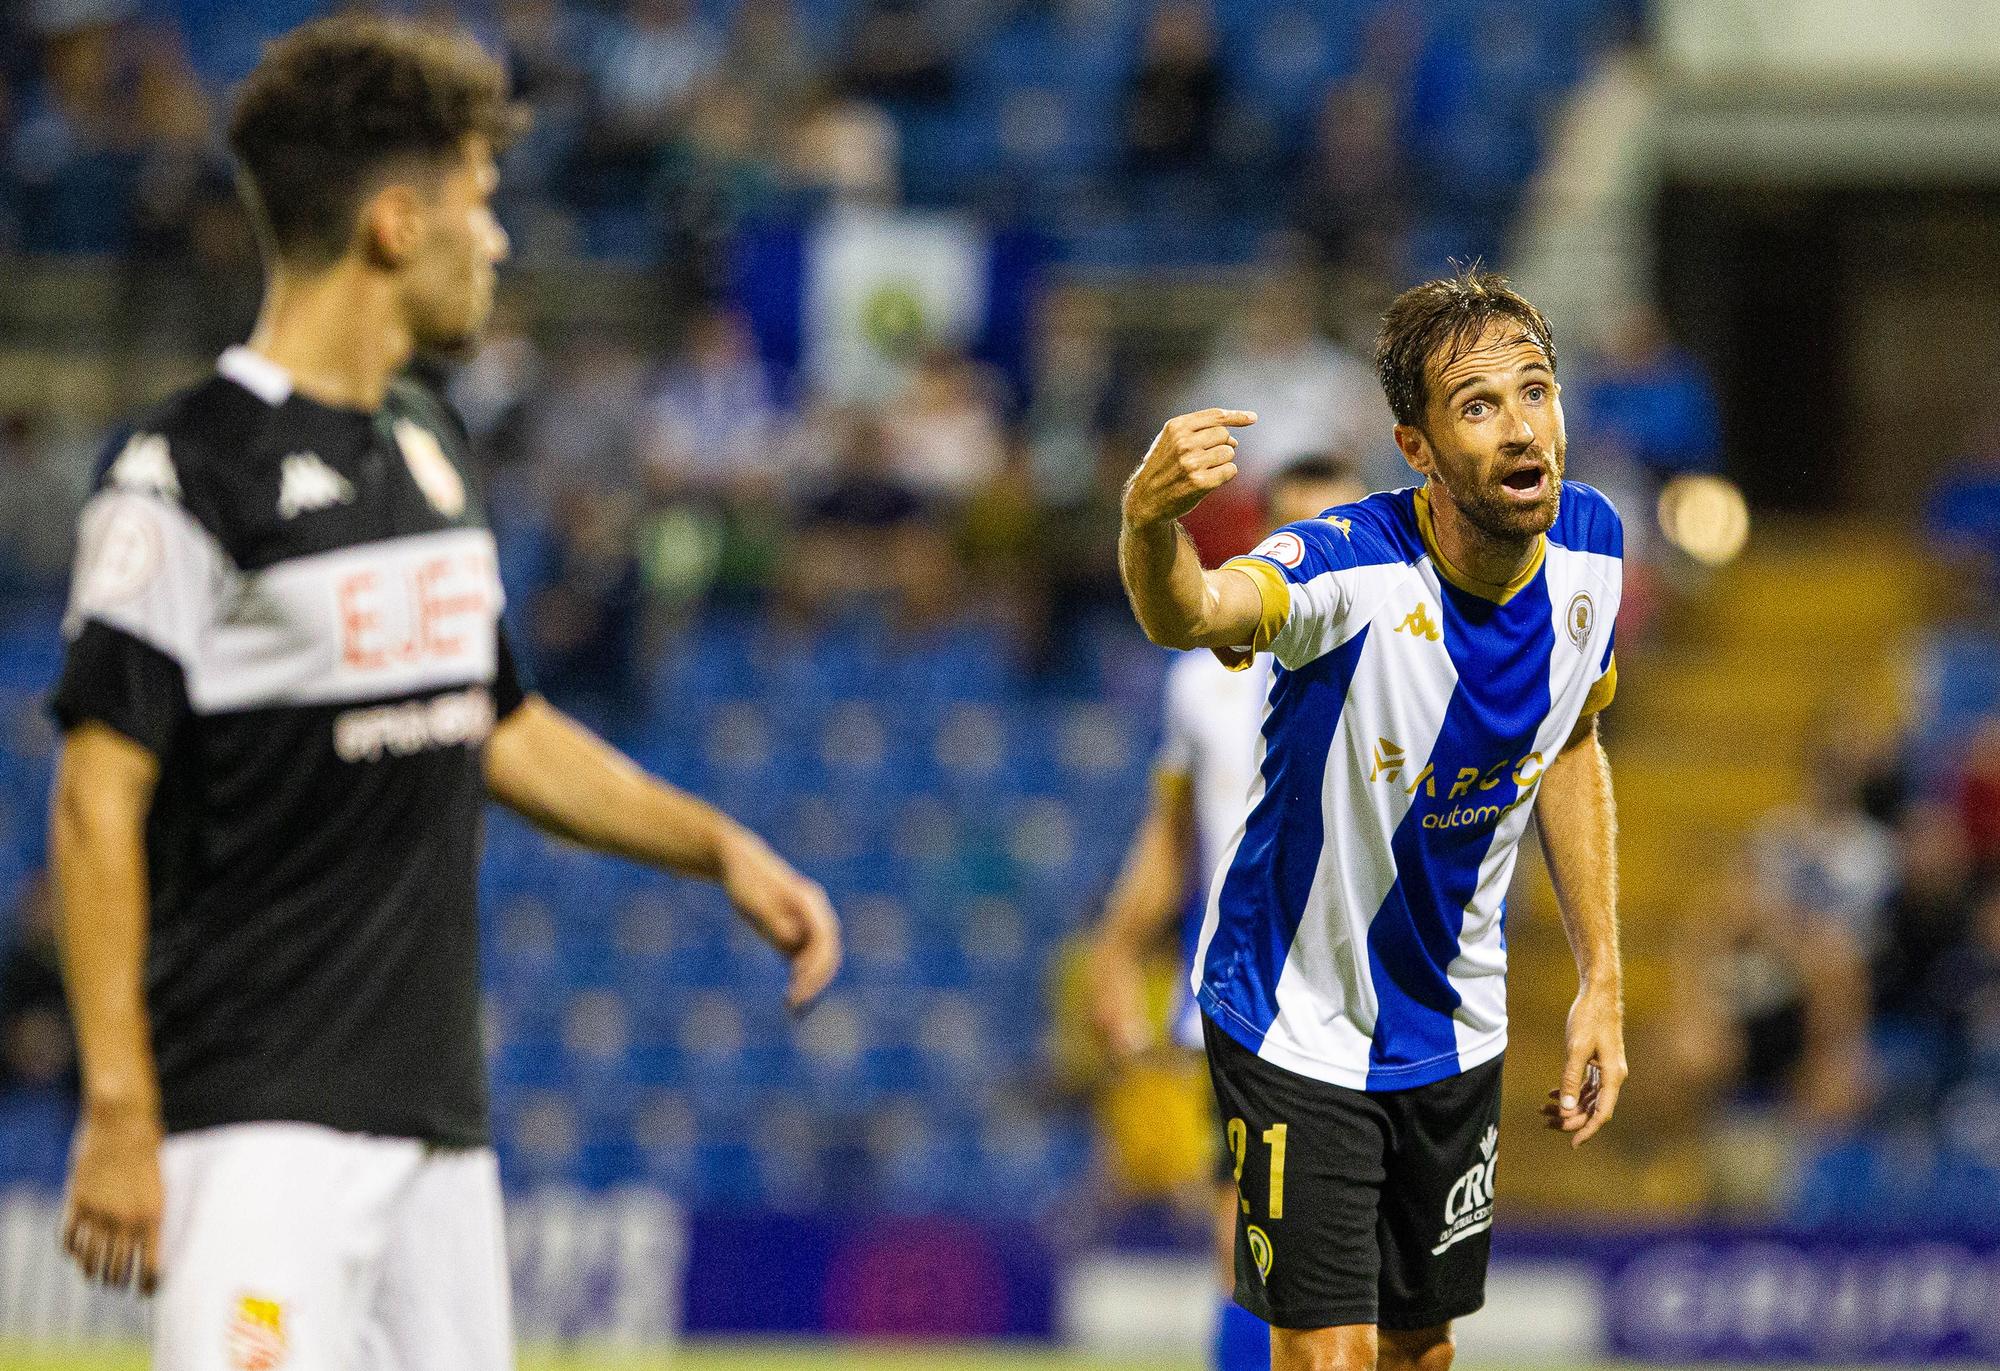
x=292, y=1247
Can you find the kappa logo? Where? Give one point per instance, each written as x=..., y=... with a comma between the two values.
x=1419, y=624
x=1346, y=527
x=1388, y=765
x=1468, y=1209
x=145, y=466
x=307, y=483
x=257, y=1337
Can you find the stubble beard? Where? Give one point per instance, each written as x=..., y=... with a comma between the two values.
x=1504, y=520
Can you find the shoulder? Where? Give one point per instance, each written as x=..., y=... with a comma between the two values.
x=187, y=451
x=1588, y=522
x=1370, y=532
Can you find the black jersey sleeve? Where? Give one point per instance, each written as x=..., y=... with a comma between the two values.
x=111, y=677
x=512, y=682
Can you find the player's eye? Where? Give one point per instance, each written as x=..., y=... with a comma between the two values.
x=1536, y=394
x=1475, y=410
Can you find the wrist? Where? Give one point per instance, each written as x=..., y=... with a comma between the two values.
x=122, y=1102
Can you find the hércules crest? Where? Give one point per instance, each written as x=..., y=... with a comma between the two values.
x=433, y=472
x=1580, y=618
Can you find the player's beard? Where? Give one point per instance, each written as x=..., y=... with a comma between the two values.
x=1487, y=509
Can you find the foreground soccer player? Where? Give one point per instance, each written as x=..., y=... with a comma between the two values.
x=286, y=698
x=1202, y=783
x=1442, y=656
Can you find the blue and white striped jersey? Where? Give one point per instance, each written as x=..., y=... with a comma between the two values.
x=1356, y=929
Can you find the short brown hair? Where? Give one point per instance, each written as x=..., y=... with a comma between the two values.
x=339, y=100
x=1429, y=326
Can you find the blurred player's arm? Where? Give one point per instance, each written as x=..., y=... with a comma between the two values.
x=1144, y=904
x=563, y=778
x=1177, y=603
x=1579, y=828
x=97, y=846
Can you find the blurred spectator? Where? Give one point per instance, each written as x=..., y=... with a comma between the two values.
x=1309, y=394
x=864, y=535
x=717, y=175
x=584, y=620
x=38, y=513
x=1823, y=854
x=73, y=151
x=1965, y=987
x=769, y=60
x=653, y=58
x=1768, y=1024
x=944, y=431
x=843, y=149
x=895, y=55
x=1173, y=104
x=1928, y=914
x=711, y=424
x=1350, y=203
x=581, y=424
x=1076, y=391
x=1646, y=399
x=1977, y=796
x=36, y=1050
x=493, y=389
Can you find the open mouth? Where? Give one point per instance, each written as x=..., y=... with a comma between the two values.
x=1529, y=481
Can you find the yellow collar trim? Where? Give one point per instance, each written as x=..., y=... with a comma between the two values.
x=1486, y=590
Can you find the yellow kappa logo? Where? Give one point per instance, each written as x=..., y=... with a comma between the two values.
x=1260, y=1251
x=1419, y=624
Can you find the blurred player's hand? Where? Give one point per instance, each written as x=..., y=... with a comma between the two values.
x=1118, y=1000
x=791, y=912
x=1193, y=455
x=1593, y=1067
x=111, y=1216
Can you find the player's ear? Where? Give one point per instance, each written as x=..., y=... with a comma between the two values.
x=391, y=224
x=1416, y=450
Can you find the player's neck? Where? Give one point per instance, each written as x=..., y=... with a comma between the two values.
x=1474, y=552
x=339, y=333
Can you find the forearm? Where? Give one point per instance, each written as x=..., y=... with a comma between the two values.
x=1148, y=893
x=97, y=852
x=564, y=779
x=1578, y=820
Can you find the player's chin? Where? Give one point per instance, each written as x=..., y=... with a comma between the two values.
x=1527, y=513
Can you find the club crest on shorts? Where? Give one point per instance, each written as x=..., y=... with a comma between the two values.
x=1286, y=549
x=1260, y=1251
x=433, y=472
x=1580, y=617
x=256, y=1336
x=1468, y=1209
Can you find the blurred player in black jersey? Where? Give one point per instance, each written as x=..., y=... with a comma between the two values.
x=286, y=699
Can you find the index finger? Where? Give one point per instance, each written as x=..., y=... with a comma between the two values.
x=817, y=959
x=1233, y=418
x=1607, y=1100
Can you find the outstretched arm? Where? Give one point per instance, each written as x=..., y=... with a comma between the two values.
x=1579, y=828
x=1177, y=603
x=1143, y=905
x=563, y=778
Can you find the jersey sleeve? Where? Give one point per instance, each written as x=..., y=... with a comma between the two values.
x=146, y=587
x=1306, y=600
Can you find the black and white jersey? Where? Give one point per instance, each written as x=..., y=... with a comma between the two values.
x=296, y=608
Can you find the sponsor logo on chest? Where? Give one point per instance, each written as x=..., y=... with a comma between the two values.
x=416, y=610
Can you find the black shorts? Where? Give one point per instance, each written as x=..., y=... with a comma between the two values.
x=1357, y=1206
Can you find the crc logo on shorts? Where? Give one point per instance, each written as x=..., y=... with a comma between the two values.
x=1285, y=549
x=1469, y=1207
x=1260, y=1251
x=256, y=1338
x=1579, y=618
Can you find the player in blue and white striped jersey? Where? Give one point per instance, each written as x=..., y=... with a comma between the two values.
x=1442, y=654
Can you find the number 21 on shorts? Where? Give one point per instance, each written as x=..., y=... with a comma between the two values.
x=1239, y=1145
